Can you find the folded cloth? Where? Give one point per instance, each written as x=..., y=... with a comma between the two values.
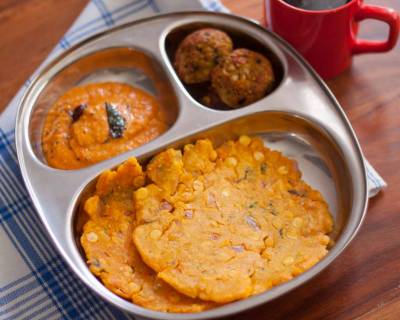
x=35, y=283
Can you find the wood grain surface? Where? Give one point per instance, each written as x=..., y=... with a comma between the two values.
x=364, y=282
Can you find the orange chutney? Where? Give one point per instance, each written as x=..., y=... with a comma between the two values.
x=77, y=130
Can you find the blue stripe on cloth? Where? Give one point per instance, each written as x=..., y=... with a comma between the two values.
x=105, y=14
x=18, y=292
x=214, y=6
x=51, y=285
x=27, y=83
x=15, y=283
x=10, y=230
x=64, y=43
x=41, y=311
x=118, y=14
x=24, y=310
x=154, y=6
x=47, y=316
x=372, y=177
x=83, y=27
x=127, y=13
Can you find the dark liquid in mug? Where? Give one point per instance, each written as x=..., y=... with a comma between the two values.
x=317, y=4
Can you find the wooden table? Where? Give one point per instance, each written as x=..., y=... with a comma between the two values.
x=364, y=282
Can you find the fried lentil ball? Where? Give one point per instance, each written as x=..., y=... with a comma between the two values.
x=242, y=77
x=199, y=53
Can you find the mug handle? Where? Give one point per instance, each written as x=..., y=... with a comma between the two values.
x=387, y=15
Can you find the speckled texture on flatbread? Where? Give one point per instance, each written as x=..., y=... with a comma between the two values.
x=225, y=224
x=110, y=252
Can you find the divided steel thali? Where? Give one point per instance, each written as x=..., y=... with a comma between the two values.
x=299, y=117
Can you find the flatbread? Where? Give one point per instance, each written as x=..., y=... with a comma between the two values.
x=225, y=224
x=110, y=252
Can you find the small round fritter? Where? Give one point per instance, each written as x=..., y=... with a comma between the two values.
x=110, y=252
x=199, y=53
x=242, y=77
x=225, y=224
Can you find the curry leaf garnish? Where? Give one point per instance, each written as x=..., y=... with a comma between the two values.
x=77, y=112
x=116, y=122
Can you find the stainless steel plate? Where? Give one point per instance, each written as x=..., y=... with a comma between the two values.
x=300, y=117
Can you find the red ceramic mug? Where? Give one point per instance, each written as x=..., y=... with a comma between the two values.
x=328, y=38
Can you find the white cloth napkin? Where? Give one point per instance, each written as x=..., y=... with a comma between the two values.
x=35, y=283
